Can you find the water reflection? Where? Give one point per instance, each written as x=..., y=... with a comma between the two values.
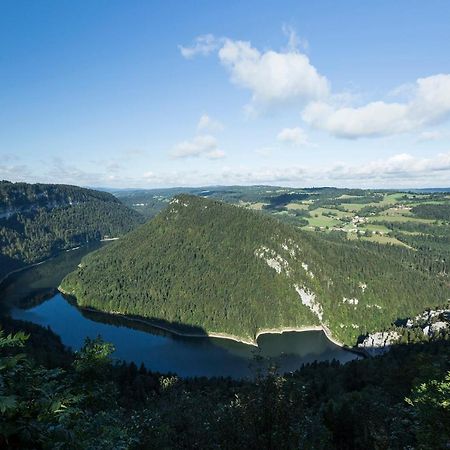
x=31, y=295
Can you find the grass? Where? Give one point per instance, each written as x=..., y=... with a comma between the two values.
x=323, y=221
x=383, y=239
x=379, y=239
x=393, y=204
x=397, y=218
x=355, y=207
x=345, y=196
x=374, y=228
x=391, y=199
x=333, y=211
x=297, y=206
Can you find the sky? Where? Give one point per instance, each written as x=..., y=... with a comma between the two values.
x=143, y=94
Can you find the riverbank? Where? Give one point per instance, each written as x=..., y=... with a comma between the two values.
x=153, y=324
x=248, y=341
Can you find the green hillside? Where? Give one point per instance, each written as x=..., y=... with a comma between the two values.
x=38, y=220
x=223, y=269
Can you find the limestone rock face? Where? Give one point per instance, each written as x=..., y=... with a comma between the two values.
x=380, y=342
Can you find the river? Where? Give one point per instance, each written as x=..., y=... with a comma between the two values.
x=31, y=295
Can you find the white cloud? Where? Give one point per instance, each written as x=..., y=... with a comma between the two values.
x=294, y=136
x=399, y=167
x=229, y=176
x=206, y=123
x=203, y=45
x=203, y=145
x=400, y=170
x=277, y=78
x=273, y=77
x=429, y=104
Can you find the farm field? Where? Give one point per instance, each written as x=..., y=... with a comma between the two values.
x=381, y=217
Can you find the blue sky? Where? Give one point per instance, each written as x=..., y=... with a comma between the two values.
x=168, y=93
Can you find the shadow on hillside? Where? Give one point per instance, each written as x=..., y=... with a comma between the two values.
x=151, y=324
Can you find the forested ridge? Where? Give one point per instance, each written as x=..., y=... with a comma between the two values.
x=202, y=263
x=38, y=220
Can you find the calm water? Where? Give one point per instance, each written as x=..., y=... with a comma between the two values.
x=31, y=296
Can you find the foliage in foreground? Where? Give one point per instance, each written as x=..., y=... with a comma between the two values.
x=400, y=400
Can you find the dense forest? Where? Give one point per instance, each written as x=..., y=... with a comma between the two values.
x=205, y=266
x=51, y=398
x=202, y=266
x=433, y=211
x=38, y=220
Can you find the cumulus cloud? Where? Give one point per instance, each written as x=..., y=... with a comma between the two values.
x=202, y=45
x=206, y=123
x=429, y=103
x=203, y=145
x=294, y=136
x=277, y=78
x=273, y=77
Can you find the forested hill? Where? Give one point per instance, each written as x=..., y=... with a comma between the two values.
x=205, y=265
x=38, y=220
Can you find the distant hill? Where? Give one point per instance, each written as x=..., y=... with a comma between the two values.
x=430, y=190
x=38, y=220
x=205, y=265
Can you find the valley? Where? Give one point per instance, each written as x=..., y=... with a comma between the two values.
x=201, y=262
x=37, y=221
x=168, y=292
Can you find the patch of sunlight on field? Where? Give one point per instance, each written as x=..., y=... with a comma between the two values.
x=413, y=233
x=297, y=206
x=383, y=239
x=355, y=207
x=256, y=206
x=346, y=196
x=379, y=228
x=377, y=238
x=332, y=211
x=323, y=221
x=392, y=198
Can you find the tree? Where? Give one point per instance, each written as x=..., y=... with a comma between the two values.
x=431, y=403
